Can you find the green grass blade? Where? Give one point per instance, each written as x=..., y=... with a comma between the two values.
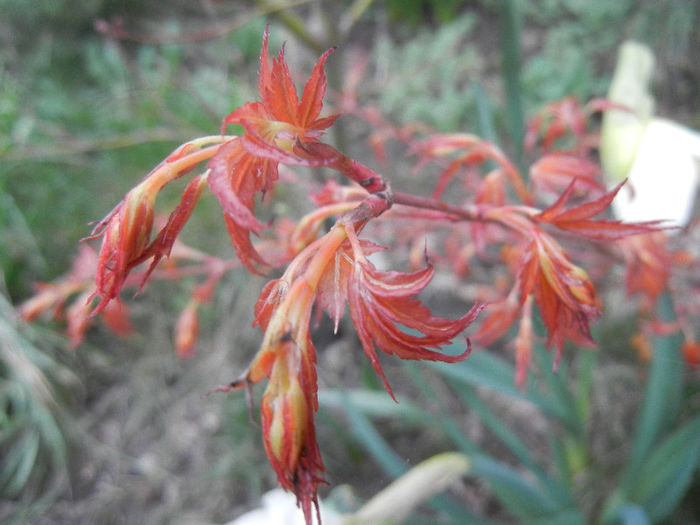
x=662, y=396
x=666, y=475
x=586, y=363
x=558, y=455
x=390, y=462
x=503, y=479
x=486, y=370
x=28, y=452
x=374, y=443
x=633, y=515
x=523, y=497
x=373, y=403
x=565, y=517
x=559, y=388
x=498, y=427
x=442, y=417
x=555, y=488
x=487, y=128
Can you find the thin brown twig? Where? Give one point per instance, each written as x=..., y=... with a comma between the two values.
x=79, y=146
x=117, y=30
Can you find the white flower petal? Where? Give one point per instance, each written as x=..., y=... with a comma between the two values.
x=663, y=181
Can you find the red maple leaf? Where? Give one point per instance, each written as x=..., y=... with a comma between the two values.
x=279, y=128
x=579, y=219
x=386, y=313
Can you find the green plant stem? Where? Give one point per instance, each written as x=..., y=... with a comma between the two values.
x=510, y=69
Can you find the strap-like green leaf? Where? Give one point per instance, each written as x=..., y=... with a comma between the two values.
x=487, y=370
x=510, y=68
x=373, y=403
x=630, y=514
x=393, y=465
x=665, y=476
x=662, y=396
x=525, y=498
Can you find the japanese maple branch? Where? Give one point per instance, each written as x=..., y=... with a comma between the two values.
x=518, y=221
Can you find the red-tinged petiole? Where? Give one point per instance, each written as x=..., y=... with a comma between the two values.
x=514, y=217
x=310, y=224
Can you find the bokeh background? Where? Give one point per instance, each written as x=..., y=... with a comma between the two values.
x=94, y=93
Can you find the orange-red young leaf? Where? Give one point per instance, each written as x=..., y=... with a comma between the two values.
x=496, y=321
x=579, y=219
x=277, y=130
x=386, y=314
x=334, y=283
x=555, y=121
x=563, y=292
x=162, y=245
x=649, y=265
x=554, y=172
x=691, y=353
x=186, y=331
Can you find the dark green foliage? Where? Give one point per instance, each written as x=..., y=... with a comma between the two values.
x=32, y=446
x=422, y=12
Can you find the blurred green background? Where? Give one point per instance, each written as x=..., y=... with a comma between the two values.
x=118, y=431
